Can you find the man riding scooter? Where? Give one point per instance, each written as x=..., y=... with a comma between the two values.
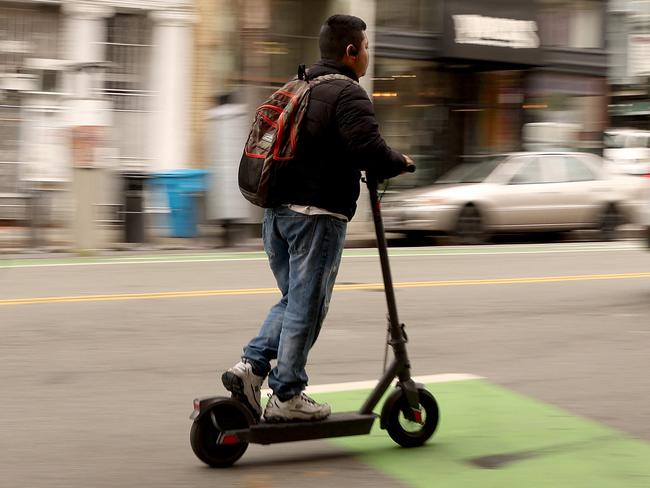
x=304, y=236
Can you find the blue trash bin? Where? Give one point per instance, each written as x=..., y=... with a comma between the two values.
x=181, y=186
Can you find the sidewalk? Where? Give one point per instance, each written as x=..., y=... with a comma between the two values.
x=19, y=240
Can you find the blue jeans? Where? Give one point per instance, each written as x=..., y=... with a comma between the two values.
x=304, y=253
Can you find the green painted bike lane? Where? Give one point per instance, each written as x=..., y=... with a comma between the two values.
x=489, y=436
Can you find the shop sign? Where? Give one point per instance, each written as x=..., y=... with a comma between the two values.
x=494, y=31
x=499, y=31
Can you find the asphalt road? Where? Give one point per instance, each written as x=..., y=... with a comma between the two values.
x=100, y=360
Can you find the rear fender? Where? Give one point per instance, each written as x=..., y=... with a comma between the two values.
x=204, y=404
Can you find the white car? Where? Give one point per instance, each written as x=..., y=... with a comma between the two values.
x=627, y=151
x=646, y=217
x=532, y=191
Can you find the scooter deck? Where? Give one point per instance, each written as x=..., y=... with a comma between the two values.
x=336, y=425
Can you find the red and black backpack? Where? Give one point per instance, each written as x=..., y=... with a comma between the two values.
x=274, y=135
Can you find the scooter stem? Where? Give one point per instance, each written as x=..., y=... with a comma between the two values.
x=382, y=247
x=400, y=366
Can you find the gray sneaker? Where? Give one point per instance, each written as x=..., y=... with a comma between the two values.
x=300, y=407
x=245, y=385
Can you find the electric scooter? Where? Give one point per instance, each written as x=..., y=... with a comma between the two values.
x=223, y=427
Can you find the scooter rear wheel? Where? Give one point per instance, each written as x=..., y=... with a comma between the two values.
x=405, y=432
x=205, y=432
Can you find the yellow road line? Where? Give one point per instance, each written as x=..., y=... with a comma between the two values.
x=360, y=286
x=138, y=296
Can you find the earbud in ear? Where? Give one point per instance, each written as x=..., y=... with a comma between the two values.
x=352, y=51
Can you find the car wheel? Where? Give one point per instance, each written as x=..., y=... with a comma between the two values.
x=417, y=237
x=609, y=222
x=469, y=227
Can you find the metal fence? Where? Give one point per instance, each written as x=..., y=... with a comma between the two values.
x=128, y=49
x=25, y=33
x=10, y=121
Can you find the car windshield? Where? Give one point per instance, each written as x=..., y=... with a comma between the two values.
x=619, y=140
x=474, y=172
x=614, y=141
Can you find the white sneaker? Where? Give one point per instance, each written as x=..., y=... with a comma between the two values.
x=245, y=385
x=300, y=407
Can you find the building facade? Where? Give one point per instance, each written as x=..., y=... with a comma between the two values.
x=103, y=82
x=247, y=50
x=449, y=78
x=628, y=33
x=457, y=78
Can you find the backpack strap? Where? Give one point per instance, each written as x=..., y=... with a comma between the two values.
x=302, y=72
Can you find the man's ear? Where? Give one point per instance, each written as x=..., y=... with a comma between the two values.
x=351, y=50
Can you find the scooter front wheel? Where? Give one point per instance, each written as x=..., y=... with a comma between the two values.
x=406, y=432
x=206, y=430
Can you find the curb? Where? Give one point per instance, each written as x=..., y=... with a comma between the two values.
x=357, y=240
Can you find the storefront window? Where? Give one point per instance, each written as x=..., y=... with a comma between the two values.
x=275, y=37
x=443, y=116
x=406, y=95
x=293, y=36
x=559, y=98
x=296, y=26
x=410, y=15
x=497, y=119
x=576, y=25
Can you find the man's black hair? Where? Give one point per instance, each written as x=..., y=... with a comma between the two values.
x=337, y=33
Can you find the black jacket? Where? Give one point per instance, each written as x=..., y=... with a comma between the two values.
x=339, y=138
